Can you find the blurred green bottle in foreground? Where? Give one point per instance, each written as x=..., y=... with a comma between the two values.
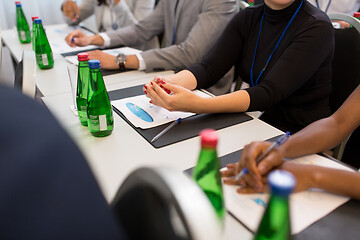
x=275, y=223
x=44, y=56
x=22, y=25
x=99, y=109
x=82, y=87
x=207, y=171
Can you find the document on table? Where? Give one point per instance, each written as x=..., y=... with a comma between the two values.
x=56, y=35
x=305, y=207
x=114, y=52
x=143, y=114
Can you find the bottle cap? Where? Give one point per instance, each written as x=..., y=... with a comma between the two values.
x=281, y=182
x=37, y=21
x=83, y=56
x=33, y=18
x=357, y=14
x=209, y=138
x=94, y=64
x=18, y=4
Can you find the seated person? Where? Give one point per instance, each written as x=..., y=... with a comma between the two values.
x=47, y=190
x=190, y=28
x=110, y=14
x=283, y=49
x=337, y=6
x=317, y=137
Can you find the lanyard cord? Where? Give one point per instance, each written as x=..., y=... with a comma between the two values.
x=114, y=25
x=276, y=46
x=318, y=6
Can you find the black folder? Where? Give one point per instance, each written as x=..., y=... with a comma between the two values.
x=187, y=128
x=342, y=223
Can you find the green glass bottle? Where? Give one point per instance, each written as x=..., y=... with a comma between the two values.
x=44, y=55
x=33, y=32
x=82, y=87
x=275, y=223
x=99, y=109
x=22, y=25
x=250, y=2
x=207, y=171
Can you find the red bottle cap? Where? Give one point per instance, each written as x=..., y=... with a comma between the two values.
x=356, y=14
x=33, y=18
x=209, y=138
x=17, y=2
x=250, y=1
x=83, y=56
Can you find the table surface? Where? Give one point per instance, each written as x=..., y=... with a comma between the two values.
x=112, y=158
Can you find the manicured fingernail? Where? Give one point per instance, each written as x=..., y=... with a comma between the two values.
x=162, y=82
x=151, y=83
x=145, y=92
x=150, y=101
x=145, y=87
x=168, y=91
x=158, y=79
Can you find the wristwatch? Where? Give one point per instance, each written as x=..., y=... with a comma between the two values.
x=120, y=59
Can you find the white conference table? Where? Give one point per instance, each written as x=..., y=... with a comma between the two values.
x=112, y=158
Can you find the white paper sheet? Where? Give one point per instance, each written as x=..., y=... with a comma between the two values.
x=158, y=115
x=305, y=207
x=114, y=52
x=56, y=35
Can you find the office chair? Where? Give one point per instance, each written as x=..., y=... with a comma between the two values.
x=345, y=66
x=25, y=74
x=160, y=203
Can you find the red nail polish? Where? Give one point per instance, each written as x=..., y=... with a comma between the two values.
x=150, y=101
x=151, y=83
x=157, y=79
x=162, y=82
x=145, y=87
x=145, y=92
x=168, y=91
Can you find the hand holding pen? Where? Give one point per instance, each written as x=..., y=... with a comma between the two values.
x=275, y=145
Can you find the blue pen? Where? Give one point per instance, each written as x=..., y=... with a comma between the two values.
x=72, y=39
x=275, y=145
x=166, y=130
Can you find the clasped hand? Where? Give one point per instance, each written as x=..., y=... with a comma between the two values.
x=170, y=96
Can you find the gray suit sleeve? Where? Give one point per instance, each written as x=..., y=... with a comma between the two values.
x=134, y=35
x=86, y=9
x=132, y=11
x=203, y=35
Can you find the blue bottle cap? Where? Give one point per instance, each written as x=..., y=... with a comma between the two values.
x=281, y=182
x=18, y=4
x=37, y=21
x=94, y=64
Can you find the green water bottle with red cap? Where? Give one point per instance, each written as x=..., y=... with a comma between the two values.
x=22, y=25
x=99, y=109
x=82, y=87
x=33, y=32
x=250, y=2
x=207, y=171
x=275, y=223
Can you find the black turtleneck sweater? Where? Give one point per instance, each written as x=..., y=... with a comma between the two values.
x=294, y=89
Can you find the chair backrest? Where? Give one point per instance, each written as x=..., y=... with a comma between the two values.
x=0, y=54
x=346, y=62
x=161, y=203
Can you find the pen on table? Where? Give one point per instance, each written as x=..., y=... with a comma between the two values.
x=166, y=130
x=275, y=145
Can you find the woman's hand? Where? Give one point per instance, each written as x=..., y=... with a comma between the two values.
x=78, y=38
x=71, y=10
x=170, y=96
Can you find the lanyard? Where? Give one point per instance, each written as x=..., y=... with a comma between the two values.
x=114, y=25
x=174, y=27
x=276, y=46
x=318, y=6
